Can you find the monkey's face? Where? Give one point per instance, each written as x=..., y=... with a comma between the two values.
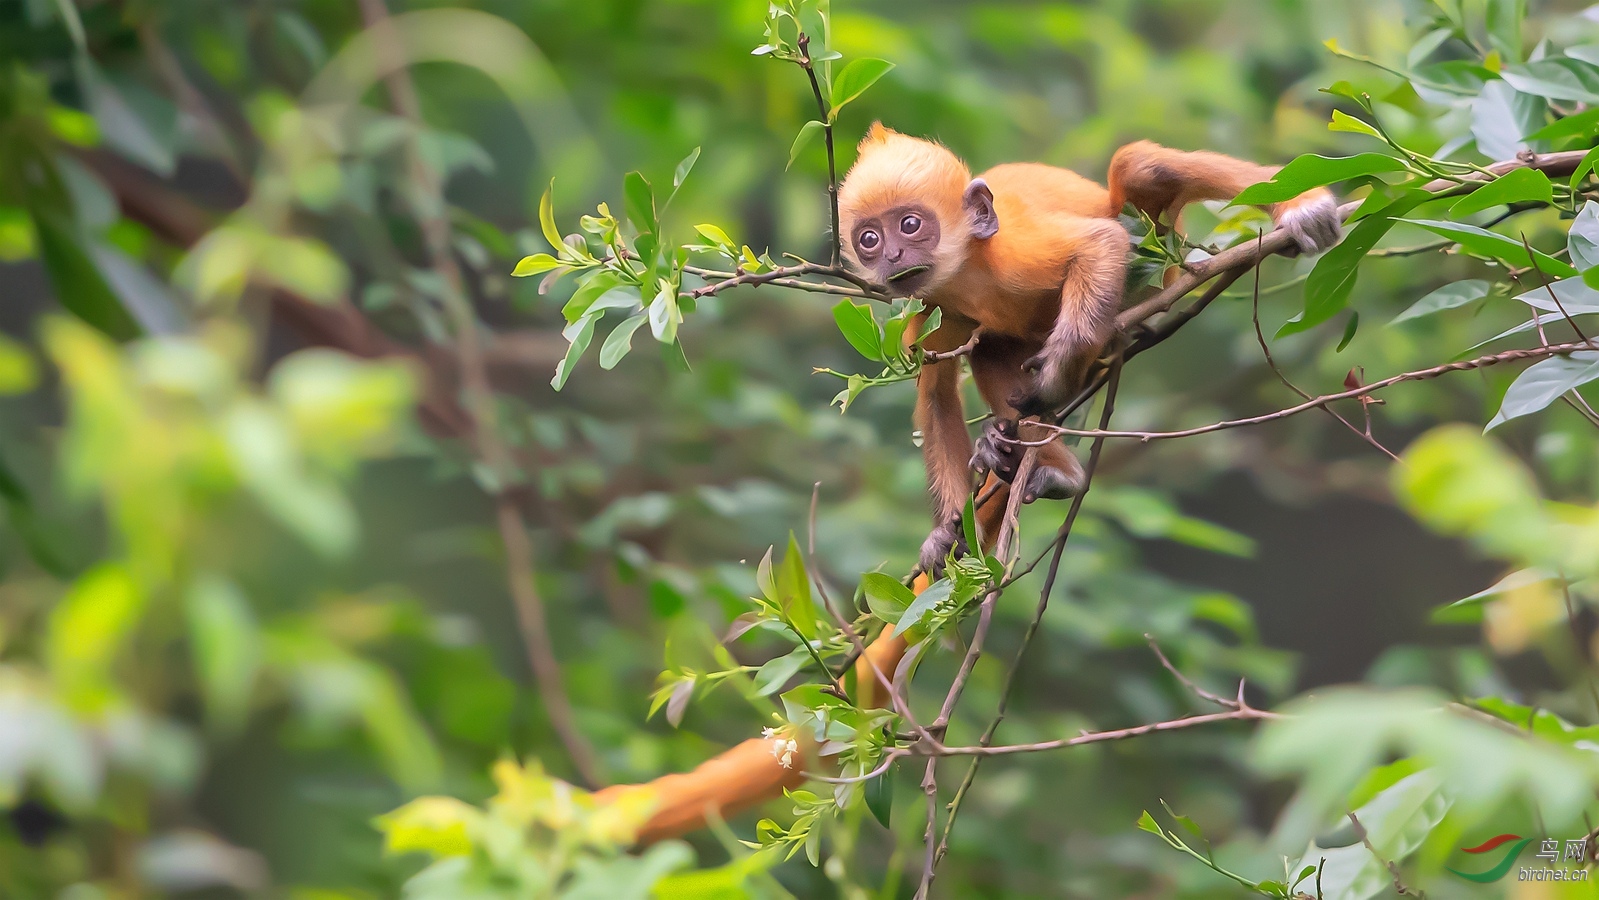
x=899, y=247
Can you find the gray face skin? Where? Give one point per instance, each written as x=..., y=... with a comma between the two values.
x=898, y=247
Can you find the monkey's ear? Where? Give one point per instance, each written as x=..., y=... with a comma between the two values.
x=877, y=134
x=979, y=201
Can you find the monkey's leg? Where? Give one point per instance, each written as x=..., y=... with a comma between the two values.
x=1089, y=298
x=946, y=444
x=997, y=369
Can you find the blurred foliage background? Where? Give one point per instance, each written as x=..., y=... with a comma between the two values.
x=253, y=586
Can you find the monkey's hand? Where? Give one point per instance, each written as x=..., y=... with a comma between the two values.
x=998, y=452
x=1311, y=219
x=936, y=549
x=1048, y=387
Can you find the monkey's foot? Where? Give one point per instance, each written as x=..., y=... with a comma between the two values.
x=939, y=543
x=998, y=452
x=1314, y=225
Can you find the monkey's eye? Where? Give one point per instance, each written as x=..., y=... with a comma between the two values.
x=868, y=240
x=910, y=224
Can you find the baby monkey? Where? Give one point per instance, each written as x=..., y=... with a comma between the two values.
x=1034, y=256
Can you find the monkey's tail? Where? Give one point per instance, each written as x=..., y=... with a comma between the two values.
x=749, y=773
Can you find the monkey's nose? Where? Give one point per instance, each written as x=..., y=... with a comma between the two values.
x=894, y=254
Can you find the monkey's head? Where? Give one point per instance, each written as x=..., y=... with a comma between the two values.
x=908, y=211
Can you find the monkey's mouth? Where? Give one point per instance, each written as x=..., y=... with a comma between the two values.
x=903, y=274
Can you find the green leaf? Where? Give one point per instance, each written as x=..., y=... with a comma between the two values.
x=771, y=677
x=1342, y=122
x=794, y=591
x=1349, y=332
x=1589, y=159
x=880, y=798
x=1487, y=243
x=886, y=597
x=578, y=334
x=1146, y=822
x=1543, y=383
x=680, y=174
x=547, y=221
x=537, y=264
x=665, y=315
x=639, y=201
x=1500, y=115
x=807, y=134
x=1312, y=171
x=1330, y=283
x=859, y=328
x=438, y=826
x=1557, y=78
x=1449, y=296
x=718, y=237
x=1582, y=241
x=853, y=81
x=969, y=525
x=79, y=285
x=1516, y=186
x=227, y=648
x=931, y=596
x=620, y=341
x=1583, y=124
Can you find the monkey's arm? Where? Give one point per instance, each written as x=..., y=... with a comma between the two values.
x=1159, y=180
x=946, y=445
x=1088, y=300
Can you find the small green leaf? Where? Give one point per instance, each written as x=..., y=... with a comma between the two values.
x=639, y=201
x=794, y=591
x=853, y=81
x=1349, y=332
x=886, y=597
x=859, y=328
x=1449, y=296
x=1516, y=186
x=1312, y=171
x=1582, y=241
x=665, y=315
x=771, y=677
x=1342, y=122
x=1146, y=822
x=880, y=798
x=620, y=341
x=718, y=237
x=807, y=134
x=1584, y=167
x=547, y=221
x=680, y=174
x=578, y=334
x=931, y=596
x=537, y=264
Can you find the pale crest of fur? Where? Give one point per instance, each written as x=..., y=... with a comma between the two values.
x=894, y=169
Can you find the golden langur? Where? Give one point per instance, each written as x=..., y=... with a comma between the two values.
x=1034, y=256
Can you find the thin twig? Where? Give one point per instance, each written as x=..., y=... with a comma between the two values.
x=1315, y=402
x=1245, y=713
x=1265, y=349
x=1392, y=867
x=827, y=135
